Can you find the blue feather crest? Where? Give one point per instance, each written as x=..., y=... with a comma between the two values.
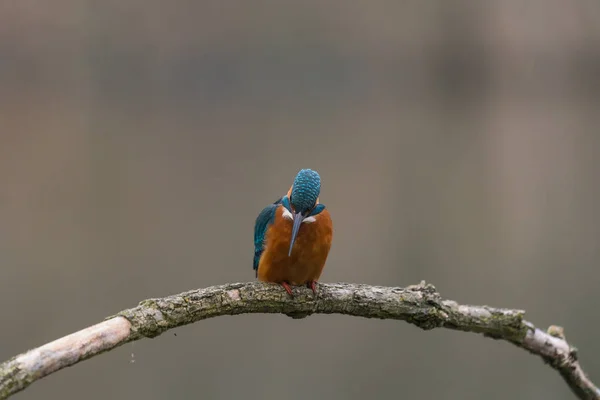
x=305, y=190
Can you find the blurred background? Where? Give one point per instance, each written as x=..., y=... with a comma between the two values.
x=457, y=143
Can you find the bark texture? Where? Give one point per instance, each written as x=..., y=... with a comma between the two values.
x=420, y=305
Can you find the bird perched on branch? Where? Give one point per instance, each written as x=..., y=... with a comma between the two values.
x=292, y=236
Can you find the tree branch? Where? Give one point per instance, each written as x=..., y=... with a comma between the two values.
x=419, y=305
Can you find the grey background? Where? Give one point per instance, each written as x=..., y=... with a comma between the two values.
x=457, y=143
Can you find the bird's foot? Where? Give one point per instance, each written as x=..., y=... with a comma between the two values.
x=313, y=286
x=287, y=288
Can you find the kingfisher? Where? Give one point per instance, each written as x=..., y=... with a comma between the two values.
x=292, y=236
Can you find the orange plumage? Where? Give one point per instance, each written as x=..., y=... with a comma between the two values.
x=309, y=254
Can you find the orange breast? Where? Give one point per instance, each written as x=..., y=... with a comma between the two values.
x=308, y=255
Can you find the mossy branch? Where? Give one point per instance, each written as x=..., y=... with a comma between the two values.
x=419, y=305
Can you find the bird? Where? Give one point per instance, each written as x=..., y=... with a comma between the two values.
x=293, y=235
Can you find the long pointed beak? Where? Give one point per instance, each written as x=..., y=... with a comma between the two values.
x=298, y=217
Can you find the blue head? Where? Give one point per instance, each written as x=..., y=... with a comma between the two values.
x=303, y=198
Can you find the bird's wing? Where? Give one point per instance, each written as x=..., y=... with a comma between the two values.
x=264, y=219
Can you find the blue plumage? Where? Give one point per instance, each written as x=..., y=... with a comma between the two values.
x=317, y=210
x=264, y=219
x=305, y=191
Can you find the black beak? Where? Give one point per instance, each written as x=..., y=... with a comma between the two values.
x=298, y=217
